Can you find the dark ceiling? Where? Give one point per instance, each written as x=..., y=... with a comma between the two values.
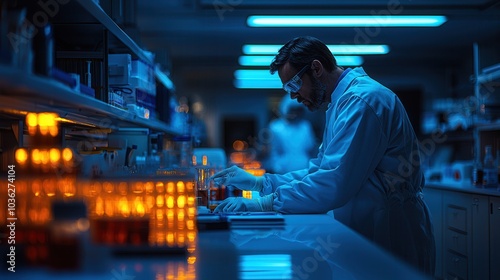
x=200, y=41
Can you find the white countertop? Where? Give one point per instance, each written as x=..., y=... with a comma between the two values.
x=318, y=247
x=307, y=247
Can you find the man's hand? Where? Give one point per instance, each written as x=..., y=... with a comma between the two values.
x=239, y=204
x=239, y=178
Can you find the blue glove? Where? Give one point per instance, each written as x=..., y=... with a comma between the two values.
x=241, y=204
x=239, y=178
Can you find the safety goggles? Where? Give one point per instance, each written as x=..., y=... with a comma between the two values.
x=295, y=83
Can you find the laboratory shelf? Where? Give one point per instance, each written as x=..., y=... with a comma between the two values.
x=100, y=15
x=489, y=77
x=488, y=126
x=79, y=27
x=21, y=92
x=163, y=78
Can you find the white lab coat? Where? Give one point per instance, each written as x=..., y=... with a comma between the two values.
x=367, y=170
x=292, y=141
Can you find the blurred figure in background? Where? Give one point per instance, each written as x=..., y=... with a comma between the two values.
x=291, y=137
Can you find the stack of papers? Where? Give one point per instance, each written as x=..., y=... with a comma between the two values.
x=244, y=219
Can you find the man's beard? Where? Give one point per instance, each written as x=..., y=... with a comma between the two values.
x=319, y=94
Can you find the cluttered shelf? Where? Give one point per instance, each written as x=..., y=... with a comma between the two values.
x=21, y=92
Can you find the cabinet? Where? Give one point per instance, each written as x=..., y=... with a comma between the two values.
x=466, y=228
x=434, y=200
x=82, y=32
x=465, y=236
x=495, y=238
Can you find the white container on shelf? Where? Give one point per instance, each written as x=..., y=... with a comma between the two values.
x=119, y=69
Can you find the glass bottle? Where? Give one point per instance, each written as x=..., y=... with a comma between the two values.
x=43, y=47
x=490, y=169
x=477, y=172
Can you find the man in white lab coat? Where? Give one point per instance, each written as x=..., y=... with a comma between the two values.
x=367, y=169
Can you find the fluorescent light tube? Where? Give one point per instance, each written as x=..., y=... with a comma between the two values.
x=255, y=79
x=346, y=21
x=258, y=83
x=335, y=49
x=255, y=60
x=265, y=60
x=262, y=78
x=358, y=49
x=245, y=74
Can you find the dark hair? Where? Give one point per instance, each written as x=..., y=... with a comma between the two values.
x=301, y=51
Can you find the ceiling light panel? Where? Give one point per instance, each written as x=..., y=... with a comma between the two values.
x=346, y=21
x=335, y=49
x=265, y=60
x=257, y=84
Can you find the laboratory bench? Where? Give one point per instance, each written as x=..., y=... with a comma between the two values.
x=303, y=247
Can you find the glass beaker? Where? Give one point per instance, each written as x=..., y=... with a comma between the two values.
x=203, y=185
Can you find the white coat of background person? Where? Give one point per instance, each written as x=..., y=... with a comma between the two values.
x=367, y=169
x=292, y=138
